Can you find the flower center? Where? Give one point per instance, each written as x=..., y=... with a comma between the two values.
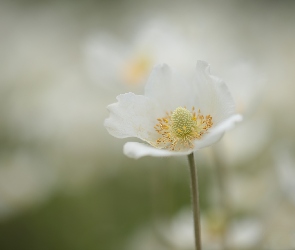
x=180, y=128
x=181, y=122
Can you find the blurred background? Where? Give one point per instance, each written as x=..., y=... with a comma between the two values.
x=64, y=181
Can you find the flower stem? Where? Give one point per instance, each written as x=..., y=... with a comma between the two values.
x=195, y=200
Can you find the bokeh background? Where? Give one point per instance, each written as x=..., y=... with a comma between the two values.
x=64, y=181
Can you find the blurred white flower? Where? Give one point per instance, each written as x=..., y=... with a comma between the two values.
x=114, y=64
x=174, y=116
x=180, y=230
x=245, y=233
x=177, y=233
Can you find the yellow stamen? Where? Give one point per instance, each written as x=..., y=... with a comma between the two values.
x=181, y=127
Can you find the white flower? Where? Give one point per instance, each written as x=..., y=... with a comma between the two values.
x=175, y=117
x=177, y=233
x=126, y=65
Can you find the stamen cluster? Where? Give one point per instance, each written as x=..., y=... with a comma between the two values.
x=178, y=129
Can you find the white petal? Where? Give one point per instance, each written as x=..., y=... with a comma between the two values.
x=211, y=94
x=132, y=116
x=137, y=150
x=217, y=132
x=169, y=90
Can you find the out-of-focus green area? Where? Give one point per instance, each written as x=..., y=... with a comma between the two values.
x=64, y=181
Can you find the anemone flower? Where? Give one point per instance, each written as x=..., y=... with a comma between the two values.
x=175, y=117
x=126, y=66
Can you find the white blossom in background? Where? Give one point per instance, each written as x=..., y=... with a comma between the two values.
x=177, y=233
x=175, y=116
x=118, y=65
x=245, y=233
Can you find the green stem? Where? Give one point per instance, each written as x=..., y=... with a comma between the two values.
x=195, y=200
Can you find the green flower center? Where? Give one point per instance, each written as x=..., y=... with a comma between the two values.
x=182, y=122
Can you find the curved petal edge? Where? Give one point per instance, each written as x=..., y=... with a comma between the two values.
x=137, y=150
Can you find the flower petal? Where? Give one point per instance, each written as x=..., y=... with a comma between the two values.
x=217, y=132
x=168, y=89
x=137, y=150
x=211, y=94
x=132, y=116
